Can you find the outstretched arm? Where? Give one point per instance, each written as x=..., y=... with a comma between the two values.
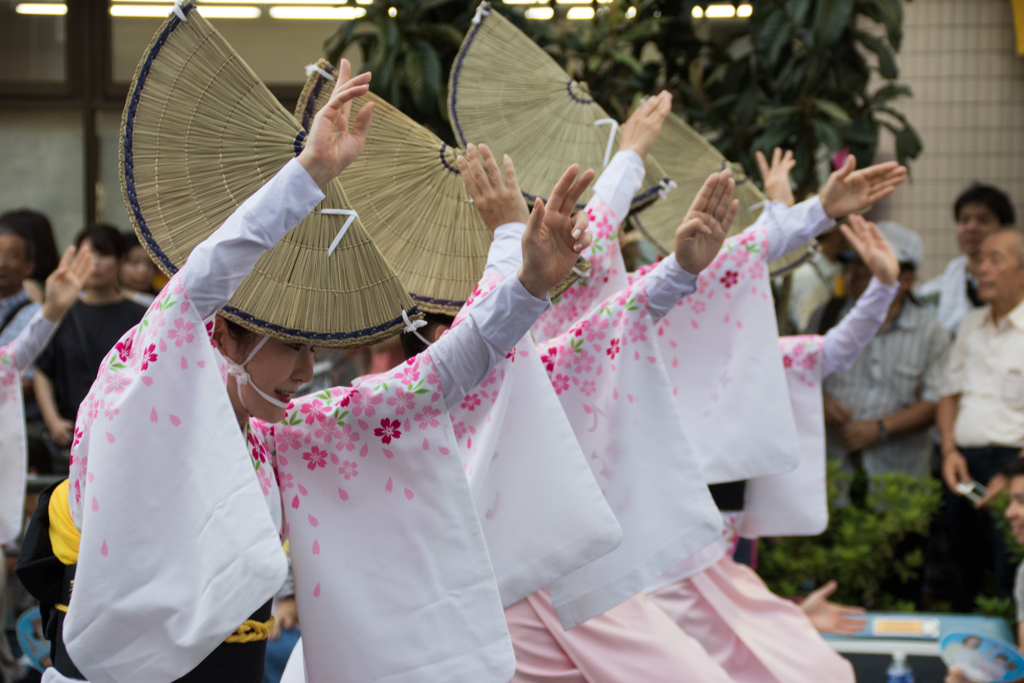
x=847, y=191
x=845, y=342
x=62, y=288
x=217, y=267
x=698, y=240
x=496, y=323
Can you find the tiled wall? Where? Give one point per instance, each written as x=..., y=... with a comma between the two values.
x=960, y=59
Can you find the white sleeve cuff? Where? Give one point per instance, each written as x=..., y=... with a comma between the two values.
x=506, y=252
x=31, y=341
x=790, y=228
x=666, y=284
x=846, y=341
x=620, y=181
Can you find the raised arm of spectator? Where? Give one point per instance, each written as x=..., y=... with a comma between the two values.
x=847, y=191
x=845, y=342
x=776, y=177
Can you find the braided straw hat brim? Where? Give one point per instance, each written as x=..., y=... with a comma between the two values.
x=200, y=134
x=689, y=159
x=410, y=197
x=506, y=92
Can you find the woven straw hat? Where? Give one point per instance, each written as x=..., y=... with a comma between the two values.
x=410, y=196
x=199, y=135
x=506, y=92
x=689, y=159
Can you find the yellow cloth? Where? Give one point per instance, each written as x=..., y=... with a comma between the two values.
x=64, y=537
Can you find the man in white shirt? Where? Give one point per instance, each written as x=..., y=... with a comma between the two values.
x=981, y=413
x=979, y=211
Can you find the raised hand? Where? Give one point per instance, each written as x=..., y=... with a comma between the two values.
x=552, y=242
x=497, y=200
x=874, y=250
x=776, y=176
x=330, y=145
x=849, y=191
x=828, y=617
x=641, y=130
x=706, y=224
x=64, y=284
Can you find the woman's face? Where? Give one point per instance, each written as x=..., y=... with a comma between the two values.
x=278, y=369
x=137, y=270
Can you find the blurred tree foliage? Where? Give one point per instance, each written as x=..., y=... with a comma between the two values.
x=796, y=74
x=860, y=547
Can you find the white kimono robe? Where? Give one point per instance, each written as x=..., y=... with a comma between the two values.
x=393, y=579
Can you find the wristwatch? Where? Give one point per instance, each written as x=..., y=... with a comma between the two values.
x=883, y=433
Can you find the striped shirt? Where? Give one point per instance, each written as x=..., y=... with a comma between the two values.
x=904, y=364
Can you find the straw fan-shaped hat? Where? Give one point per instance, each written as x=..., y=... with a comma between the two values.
x=199, y=135
x=410, y=197
x=689, y=159
x=508, y=93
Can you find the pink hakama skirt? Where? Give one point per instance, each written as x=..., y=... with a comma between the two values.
x=633, y=643
x=756, y=636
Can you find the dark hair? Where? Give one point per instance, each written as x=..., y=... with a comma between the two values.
x=413, y=345
x=10, y=230
x=243, y=336
x=1015, y=468
x=35, y=228
x=992, y=197
x=105, y=239
x=131, y=240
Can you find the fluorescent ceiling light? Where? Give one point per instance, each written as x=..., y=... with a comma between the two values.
x=631, y=12
x=573, y=2
x=364, y=2
x=334, y=13
x=745, y=10
x=232, y=12
x=720, y=11
x=697, y=12
x=580, y=13
x=540, y=13
x=209, y=11
x=53, y=9
x=520, y=2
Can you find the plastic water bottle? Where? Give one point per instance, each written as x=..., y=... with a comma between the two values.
x=899, y=671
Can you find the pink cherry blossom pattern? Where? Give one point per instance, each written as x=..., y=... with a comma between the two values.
x=427, y=417
x=402, y=400
x=315, y=458
x=349, y=469
x=182, y=332
x=388, y=430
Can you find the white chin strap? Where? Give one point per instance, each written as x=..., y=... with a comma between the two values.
x=242, y=377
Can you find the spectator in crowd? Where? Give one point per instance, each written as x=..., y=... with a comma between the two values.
x=137, y=272
x=1013, y=478
x=68, y=366
x=979, y=211
x=17, y=264
x=817, y=281
x=36, y=229
x=981, y=413
x=878, y=412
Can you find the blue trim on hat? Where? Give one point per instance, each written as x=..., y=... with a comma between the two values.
x=140, y=221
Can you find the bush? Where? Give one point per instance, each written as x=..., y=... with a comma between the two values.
x=860, y=549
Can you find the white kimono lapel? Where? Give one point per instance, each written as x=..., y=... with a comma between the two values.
x=721, y=350
x=542, y=512
x=178, y=547
x=606, y=277
x=392, y=575
x=608, y=374
x=795, y=503
x=12, y=448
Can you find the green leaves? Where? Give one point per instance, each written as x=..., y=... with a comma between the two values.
x=860, y=548
x=831, y=17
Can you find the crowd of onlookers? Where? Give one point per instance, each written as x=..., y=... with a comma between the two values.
x=939, y=392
